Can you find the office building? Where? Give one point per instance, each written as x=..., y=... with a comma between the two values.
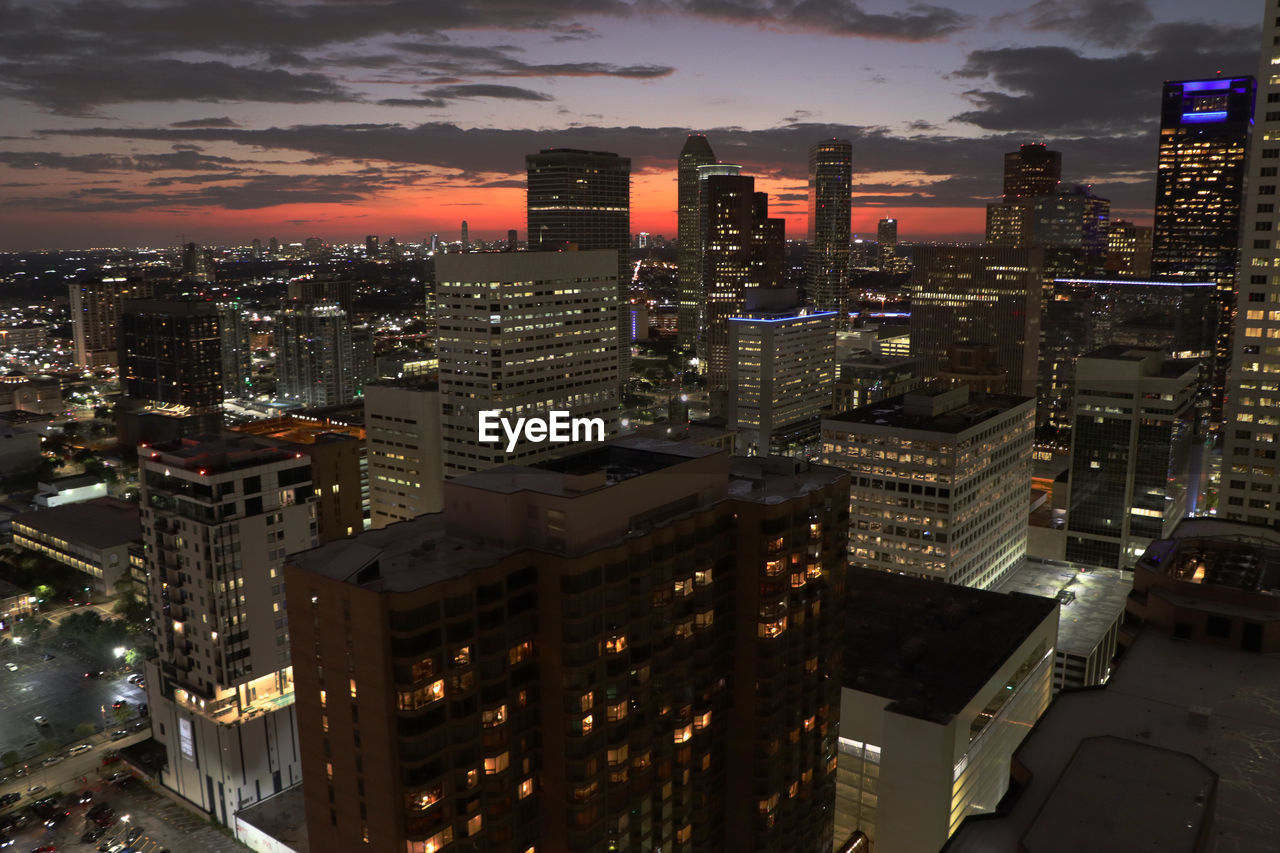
x=1249, y=489
x=1200, y=179
x=324, y=287
x=781, y=366
x=1092, y=609
x=636, y=658
x=696, y=152
x=742, y=249
x=1130, y=453
x=1031, y=172
x=978, y=295
x=197, y=264
x=864, y=379
x=1129, y=249
x=830, y=207
x=1076, y=219
x=465, y=236
x=93, y=537
x=170, y=370
x=315, y=356
x=525, y=333
x=234, y=328
x=941, y=481
x=219, y=515
x=887, y=244
x=406, y=474
x=933, y=706
x=95, y=317
x=583, y=198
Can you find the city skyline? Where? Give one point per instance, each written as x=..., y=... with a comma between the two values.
x=341, y=120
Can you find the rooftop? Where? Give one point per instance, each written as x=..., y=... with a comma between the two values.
x=1216, y=552
x=927, y=646
x=99, y=523
x=1219, y=706
x=898, y=412
x=216, y=454
x=283, y=817
x=1091, y=600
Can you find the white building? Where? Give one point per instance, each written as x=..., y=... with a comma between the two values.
x=941, y=483
x=69, y=490
x=315, y=356
x=931, y=709
x=524, y=333
x=219, y=516
x=781, y=373
x=406, y=474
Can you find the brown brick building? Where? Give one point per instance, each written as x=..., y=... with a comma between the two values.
x=624, y=650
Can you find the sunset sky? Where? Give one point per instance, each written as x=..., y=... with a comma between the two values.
x=141, y=122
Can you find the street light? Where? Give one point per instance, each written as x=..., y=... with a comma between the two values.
x=119, y=651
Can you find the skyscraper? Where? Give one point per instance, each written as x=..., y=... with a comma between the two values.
x=1129, y=249
x=1130, y=453
x=887, y=240
x=1030, y=172
x=402, y=420
x=197, y=264
x=237, y=354
x=696, y=152
x=827, y=262
x=584, y=198
x=466, y=237
x=742, y=249
x=95, y=317
x=1249, y=470
x=640, y=657
x=940, y=483
x=219, y=515
x=315, y=358
x=525, y=333
x=978, y=295
x=170, y=369
x=1200, y=180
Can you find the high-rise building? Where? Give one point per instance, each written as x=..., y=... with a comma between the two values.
x=1031, y=171
x=638, y=658
x=978, y=295
x=830, y=207
x=95, y=317
x=1076, y=219
x=1250, y=475
x=584, y=198
x=1130, y=453
x=197, y=264
x=525, y=333
x=1200, y=180
x=170, y=369
x=781, y=365
x=466, y=237
x=887, y=241
x=324, y=287
x=1129, y=249
x=696, y=152
x=237, y=354
x=742, y=249
x=941, y=480
x=511, y=239
x=255, y=249
x=371, y=246
x=402, y=420
x=219, y=515
x=315, y=358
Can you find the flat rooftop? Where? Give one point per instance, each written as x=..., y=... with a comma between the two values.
x=283, y=817
x=1219, y=706
x=1226, y=560
x=1091, y=600
x=99, y=523
x=931, y=647
x=893, y=412
x=219, y=453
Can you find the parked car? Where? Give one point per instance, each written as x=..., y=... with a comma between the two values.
x=6, y=841
x=11, y=666
x=94, y=673
x=34, y=789
x=120, y=703
x=51, y=760
x=118, y=734
x=92, y=834
x=135, y=678
x=79, y=748
x=138, y=726
x=9, y=799
x=86, y=796
x=98, y=808
x=134, y=834
x=41, y=720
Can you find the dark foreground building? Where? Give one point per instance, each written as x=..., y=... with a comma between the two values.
x=627, y=649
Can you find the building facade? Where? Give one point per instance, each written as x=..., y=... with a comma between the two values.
x=219, y=515
x=940, y=483
x=315, y=356
x=95, y=317
x=524, y=333
x=830, y=207
x=584, y=198
x=625, y=649
x=1130, y=453
x=406, y=472
x=696, y=152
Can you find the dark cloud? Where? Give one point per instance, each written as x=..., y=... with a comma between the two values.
x=919, y=22
x=76, y=90
x=223, y=121
x=503, y=61
x=487, y=90
x=1057, y=89
x=185, y=158
x=1105, y=23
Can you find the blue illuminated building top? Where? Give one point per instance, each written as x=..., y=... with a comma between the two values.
x=1204, y=103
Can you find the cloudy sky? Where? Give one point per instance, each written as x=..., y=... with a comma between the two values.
x=137, y=122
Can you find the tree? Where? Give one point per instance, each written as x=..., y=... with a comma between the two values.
x=133, y=658
x=85, y=730
x=50, y=744
x=121, y=714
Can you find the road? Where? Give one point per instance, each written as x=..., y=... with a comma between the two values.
x=56, y=689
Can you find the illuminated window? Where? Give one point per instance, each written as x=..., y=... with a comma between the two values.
x=616, y=712
x=420, y=801
x=526, y=788
x=328, y=769
x=493, y=716
x=353, y=688
x=683, y=734
x=496, y=764
x=616, y=644
x=521, y=652
x=324, y=722
x=323, y=699
x=473, y=825
x=462, y=657
x=702, y=721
